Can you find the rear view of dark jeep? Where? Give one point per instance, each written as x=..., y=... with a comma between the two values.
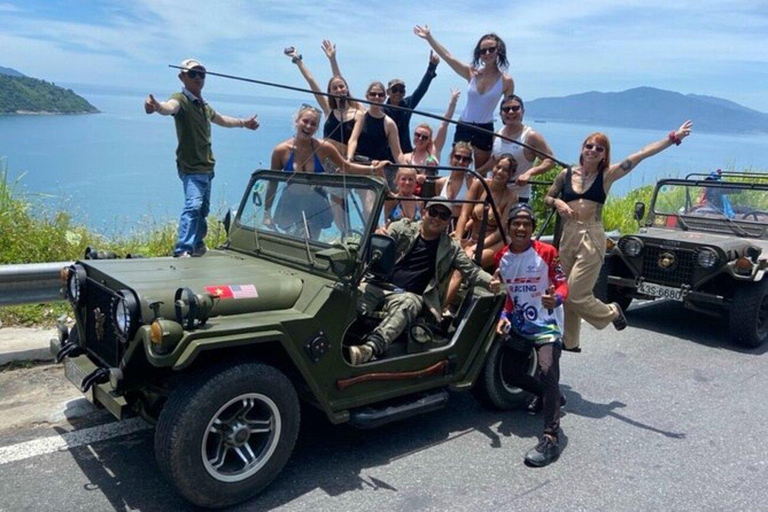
x=703, y=243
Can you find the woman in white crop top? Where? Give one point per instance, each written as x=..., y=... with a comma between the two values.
x=487, y=85
x=512, y=112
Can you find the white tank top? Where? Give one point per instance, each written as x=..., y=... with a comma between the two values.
x=501, y=146
x=480, y=107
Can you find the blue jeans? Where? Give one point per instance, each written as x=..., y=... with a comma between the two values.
x=197, y=203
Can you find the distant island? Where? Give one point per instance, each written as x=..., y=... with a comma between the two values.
x=649, y=108
x=20, y=94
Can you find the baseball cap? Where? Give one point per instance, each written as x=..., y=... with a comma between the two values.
x=394, y=82
x=521, y=209
x=188, y=64
x=439, y=201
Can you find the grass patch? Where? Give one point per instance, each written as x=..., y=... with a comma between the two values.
x=31, y=232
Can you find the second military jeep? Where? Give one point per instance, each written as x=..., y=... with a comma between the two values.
x=219, y=350
x=703, y=243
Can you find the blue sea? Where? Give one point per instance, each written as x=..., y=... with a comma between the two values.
x=115, y=171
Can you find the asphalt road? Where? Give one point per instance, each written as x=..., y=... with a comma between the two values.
x=663, y=416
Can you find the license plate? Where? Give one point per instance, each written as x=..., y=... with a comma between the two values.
x=662, y=292
x=73, y=373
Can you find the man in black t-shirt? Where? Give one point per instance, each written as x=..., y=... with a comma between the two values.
x=426, y=259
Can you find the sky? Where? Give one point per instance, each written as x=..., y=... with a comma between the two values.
x=556, y=48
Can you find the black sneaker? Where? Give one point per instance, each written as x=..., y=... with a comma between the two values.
x=536, y=404
x=544, y=453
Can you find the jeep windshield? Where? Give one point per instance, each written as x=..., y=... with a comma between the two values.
x=736, y=207
x=317, y=210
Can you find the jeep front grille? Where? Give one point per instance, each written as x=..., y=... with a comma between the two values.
x=679, y=273
x=100, y=337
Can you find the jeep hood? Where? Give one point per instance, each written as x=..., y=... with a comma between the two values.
x=729, y=243
x=244, y=283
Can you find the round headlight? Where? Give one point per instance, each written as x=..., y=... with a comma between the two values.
x=632, y=246
x=707, y=258
x=75, y=283
x=125, y=314
x=122, y=317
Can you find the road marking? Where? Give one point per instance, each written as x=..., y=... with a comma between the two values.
x=45, y=445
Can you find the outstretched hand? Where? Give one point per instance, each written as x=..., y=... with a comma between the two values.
x=151, y=105
x=495, y=284
x=291, y=52
x=422, y=32
x=684, y=130
x=329, y=48
x=455, y=93
x=433, y=58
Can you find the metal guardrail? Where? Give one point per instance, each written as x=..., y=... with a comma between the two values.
x=30, y=283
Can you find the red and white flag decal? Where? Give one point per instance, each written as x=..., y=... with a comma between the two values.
x=233, y=291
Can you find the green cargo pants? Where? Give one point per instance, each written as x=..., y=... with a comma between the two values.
x=400, y=308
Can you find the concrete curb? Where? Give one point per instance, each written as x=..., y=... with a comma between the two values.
x=25, y=344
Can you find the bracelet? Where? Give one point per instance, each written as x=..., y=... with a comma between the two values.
x=674, y=138
x=297, y=58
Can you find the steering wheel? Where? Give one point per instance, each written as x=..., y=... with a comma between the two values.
x=754, y=214
x=350, y=260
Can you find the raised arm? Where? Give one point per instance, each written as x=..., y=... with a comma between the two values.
x=297, y=59
x=620, y=170
x=164, y=108
x=461, y=68
x=330, y=51
x=442, y=132
x=413, y=100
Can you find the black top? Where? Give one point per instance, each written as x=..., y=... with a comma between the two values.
x=373, y=139
x=596, y=191
x=414, y=271
x=402, y=118
x=338, y=131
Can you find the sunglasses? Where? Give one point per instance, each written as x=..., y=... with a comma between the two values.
x=594, y=147
x=194, y=74
x=462, y=158
x=439, y=213
x=376, y=94
x=490, y=50
x=421, y=136
x=511, y=108
x=398, y=89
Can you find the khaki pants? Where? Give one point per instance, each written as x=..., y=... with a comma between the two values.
x=400, y=308
x=582, y=250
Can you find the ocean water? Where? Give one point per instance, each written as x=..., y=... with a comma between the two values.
x=116, y=170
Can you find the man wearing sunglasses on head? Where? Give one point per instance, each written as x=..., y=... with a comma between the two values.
x=194, y=159
x=396, y=96
x=426, y=257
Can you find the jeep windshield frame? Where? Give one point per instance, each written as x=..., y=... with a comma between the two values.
x=727, y=207
x=339, y=210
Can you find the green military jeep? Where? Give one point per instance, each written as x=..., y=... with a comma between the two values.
x=704, y=244
x=217, y=351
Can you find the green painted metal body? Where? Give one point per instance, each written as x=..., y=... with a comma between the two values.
x=300, y=297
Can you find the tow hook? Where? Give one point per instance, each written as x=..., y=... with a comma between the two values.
x=98, y=376
x=69, y=349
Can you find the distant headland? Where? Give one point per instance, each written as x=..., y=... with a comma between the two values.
x=20, y=94
x=649, y=108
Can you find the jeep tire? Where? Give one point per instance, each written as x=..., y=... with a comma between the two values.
x=225, y=434
x=492, y=390
x=748, y=316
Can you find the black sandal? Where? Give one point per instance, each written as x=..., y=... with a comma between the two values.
x=577, y=350
x=620, y=322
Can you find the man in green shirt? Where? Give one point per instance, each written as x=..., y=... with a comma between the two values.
x=194, y=159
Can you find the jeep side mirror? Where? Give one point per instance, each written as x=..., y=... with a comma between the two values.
x=639, y=211
x=227, y=221
x=339, y=258
x=381, y=257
